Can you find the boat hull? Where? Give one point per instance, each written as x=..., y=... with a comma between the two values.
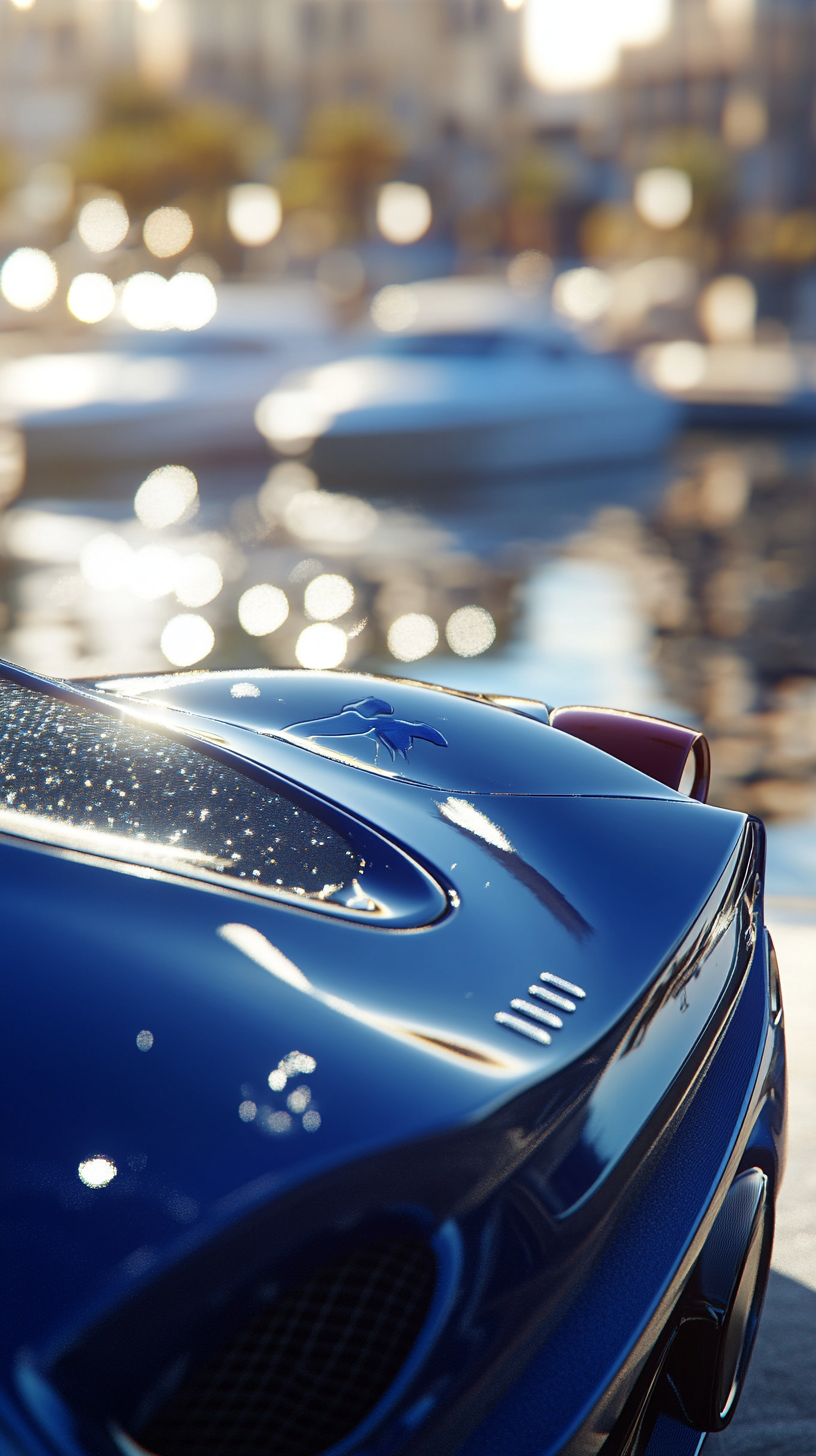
x=533, y=442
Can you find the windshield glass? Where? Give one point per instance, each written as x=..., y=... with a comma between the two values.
x=86, y=780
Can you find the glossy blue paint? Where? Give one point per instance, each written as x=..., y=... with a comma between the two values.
x=491, y=749
x=576, y=1179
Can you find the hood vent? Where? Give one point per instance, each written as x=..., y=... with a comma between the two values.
x=307, y=1371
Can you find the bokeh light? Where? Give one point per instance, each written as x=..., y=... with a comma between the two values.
x=328, y=597
x=640, y=22
x=569, y=47
x=412, y=636
x=97, y=1172
x=106, y=562
x=144, y=1041
x=727, y=309
x=198, y=580
x=263, y=609
x=744, y=120
x=190, y=301
x=470, y=631
x=321, y=646
x=154, y=572
x=403, y=212
x=663, y=197
x=28, y=279
x=320, y=515
x=282, y=483
x=167, y=231
x=169, y=494
x=311, y=1120
x=528, y=273
x=582, y=294
x=678, y=366
x=103, y=224
x=576, y=47
x=187, y=639
x=291, y=419
x=91, y=297
x=394, y=308
x=144, y=301
x=253, y=214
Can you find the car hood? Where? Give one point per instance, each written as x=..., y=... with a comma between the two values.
x=154, y=1016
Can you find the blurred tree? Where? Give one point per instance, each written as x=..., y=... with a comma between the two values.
x=153, y=150
x=613, y=232
x=7, y=170
x=347, y=151
x=753, y=235
x=703, y=156
x=794, y=239
x=536, y=182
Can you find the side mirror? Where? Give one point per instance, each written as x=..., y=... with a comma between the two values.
x=660, y=749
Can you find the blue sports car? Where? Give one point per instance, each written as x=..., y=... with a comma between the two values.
x=387, y=1070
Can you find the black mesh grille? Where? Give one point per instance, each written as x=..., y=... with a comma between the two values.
x=304, y=1373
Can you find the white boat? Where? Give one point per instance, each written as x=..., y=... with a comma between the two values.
x=769, y=386
x=128, y=394
x=488, y=394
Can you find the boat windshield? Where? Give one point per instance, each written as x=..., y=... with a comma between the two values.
x=475, y=344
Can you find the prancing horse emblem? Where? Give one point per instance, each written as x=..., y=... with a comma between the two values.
x=370, y=718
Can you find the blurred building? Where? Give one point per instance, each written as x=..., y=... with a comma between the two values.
x=513, y=159
x=740, y=70
x=429, y=63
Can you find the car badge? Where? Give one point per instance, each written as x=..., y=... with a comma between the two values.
x=370, y=718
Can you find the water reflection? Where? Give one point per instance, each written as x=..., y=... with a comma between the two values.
x=103, y=224
x=28, y=279
x=683, y=591
x=169, y=494
x=740, y=649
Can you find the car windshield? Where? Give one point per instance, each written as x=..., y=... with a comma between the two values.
x=87, y=780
